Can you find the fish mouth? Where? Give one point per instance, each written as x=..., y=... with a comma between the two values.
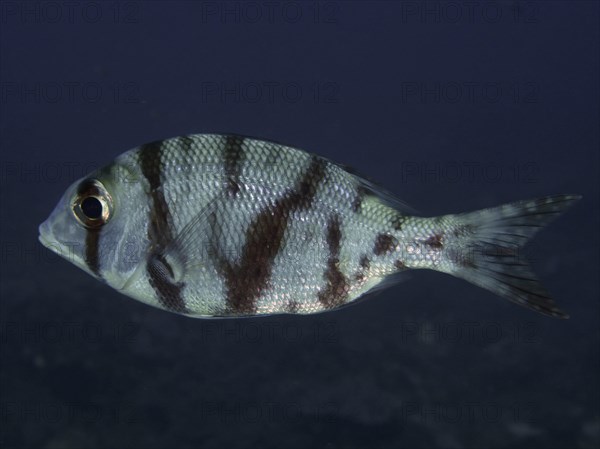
x=46, y=238
x=69, y=252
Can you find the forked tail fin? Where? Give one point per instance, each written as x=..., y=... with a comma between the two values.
x=486, y=249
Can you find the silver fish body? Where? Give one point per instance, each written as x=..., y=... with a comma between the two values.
x=224, y=225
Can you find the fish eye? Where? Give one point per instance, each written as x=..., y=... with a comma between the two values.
x=92, y=205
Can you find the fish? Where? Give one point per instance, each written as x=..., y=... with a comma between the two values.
x=211, y=225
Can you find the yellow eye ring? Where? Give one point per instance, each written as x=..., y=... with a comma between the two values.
x=92, y=205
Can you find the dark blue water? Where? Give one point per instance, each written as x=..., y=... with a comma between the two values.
x=452, y=106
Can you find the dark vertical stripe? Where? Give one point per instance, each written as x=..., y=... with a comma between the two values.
x=435, y=241
x=336, y=289
x=151, y=165
x=361, y=191
x=273, y=156
x=159, y=232
x=91, y=254
x=247, y=278
x=304, y=196
x=398, y=222
x=363, y=267
x=161, y=279
x=292, y=306
x=364, y=262
x=187, y=144
x=92, y=240
x=232, y=156
x=384, y=243
x=399, y=265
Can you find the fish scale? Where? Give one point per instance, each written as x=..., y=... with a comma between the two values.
x=223, y=225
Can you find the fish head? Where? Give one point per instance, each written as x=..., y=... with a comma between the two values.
x=100, y=223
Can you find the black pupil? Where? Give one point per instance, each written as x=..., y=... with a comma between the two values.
x=91, y=207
